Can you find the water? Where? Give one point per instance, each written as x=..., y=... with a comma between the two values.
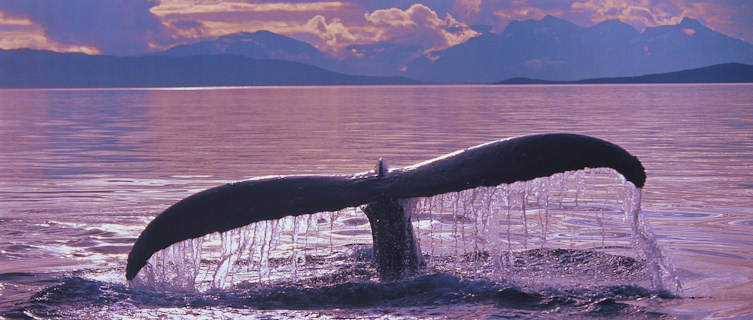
x=83, y=171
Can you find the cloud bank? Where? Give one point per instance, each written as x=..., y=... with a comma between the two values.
x=124, y=27
x=111, y=26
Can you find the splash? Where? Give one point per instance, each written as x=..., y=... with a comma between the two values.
x=173, y=269
x=476, y=233
x=663, y=273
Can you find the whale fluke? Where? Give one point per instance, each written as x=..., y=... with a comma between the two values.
x=234, y=205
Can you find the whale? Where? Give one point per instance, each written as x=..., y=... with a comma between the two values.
x=233, y=205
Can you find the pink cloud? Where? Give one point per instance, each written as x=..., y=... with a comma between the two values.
x=36, y=39
x=522, y=13
x=21, y=32
x=731, y=17
x=183, y=7
x=418, y=24
x=466, y=8
x=499, y=13
x=639, y=13
x=111, y=26
x=717, y=15
x=136, y=26
x=333, y=34
x=193, y=20
x=9, y=20
x=329, y=25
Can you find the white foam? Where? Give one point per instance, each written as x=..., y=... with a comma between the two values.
x=578, y=210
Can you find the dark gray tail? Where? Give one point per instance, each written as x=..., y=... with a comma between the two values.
x=234, y=205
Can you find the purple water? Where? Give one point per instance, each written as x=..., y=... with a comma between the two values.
x=83, y=171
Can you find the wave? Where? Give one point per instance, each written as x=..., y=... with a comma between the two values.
x=421, y=296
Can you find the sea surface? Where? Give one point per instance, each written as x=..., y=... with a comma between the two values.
x=82, y=172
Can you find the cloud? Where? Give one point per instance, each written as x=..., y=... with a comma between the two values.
x=184, y=30
x=333, y=34
x=639, y=13
x=651, y=13
x=136, y=26
x=417, y=25
x=21, y=32
x=110, y=26
x=14, y=22
x=329, y=25
x=182, y=7
x=523, y=13
x=465, y=8
x=731, y=17
x=499, y=13
x=37, y=40
x=193, y=20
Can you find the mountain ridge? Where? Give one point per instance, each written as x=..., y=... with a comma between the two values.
x=261, y=44
x=363, y=59
x=719, y=73
x=548, y=48
x=552, y=48
x=27, y=68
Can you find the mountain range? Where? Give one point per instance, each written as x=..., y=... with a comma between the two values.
x=549, y=48
x=258, y=45
x=380, y=59
x=720, y=73
x=555, y=49
x=25, y=68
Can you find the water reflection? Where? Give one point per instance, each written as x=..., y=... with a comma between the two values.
x=693, y=145
x=111, y=159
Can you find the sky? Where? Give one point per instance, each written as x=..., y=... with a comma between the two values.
x=127, y=27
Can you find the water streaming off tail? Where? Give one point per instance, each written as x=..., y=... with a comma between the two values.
x=581, y=227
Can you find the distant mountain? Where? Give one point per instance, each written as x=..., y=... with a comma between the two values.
x=720, y=73
x=378, y=59
x=369, y=59
x=27, y=68
x=549, y=48
x=258, y=45
x=556, y=49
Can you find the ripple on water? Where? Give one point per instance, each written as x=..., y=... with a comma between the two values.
x=111, y=249
x=676, y=214
x=747, y=223
x=75, y=297
x=716, y=253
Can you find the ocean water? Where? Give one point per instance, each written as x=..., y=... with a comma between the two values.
x=83, y=171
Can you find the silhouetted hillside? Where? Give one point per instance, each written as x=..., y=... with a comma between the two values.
x=27, y=68
x=720, y=73
x=552, y=48
x=363, y=59
x=258, y=45
x=549, y=48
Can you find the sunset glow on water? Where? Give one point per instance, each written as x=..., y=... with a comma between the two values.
x=340, y=159
x=84, y=171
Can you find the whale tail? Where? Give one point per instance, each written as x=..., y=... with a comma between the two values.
x=234, y=205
